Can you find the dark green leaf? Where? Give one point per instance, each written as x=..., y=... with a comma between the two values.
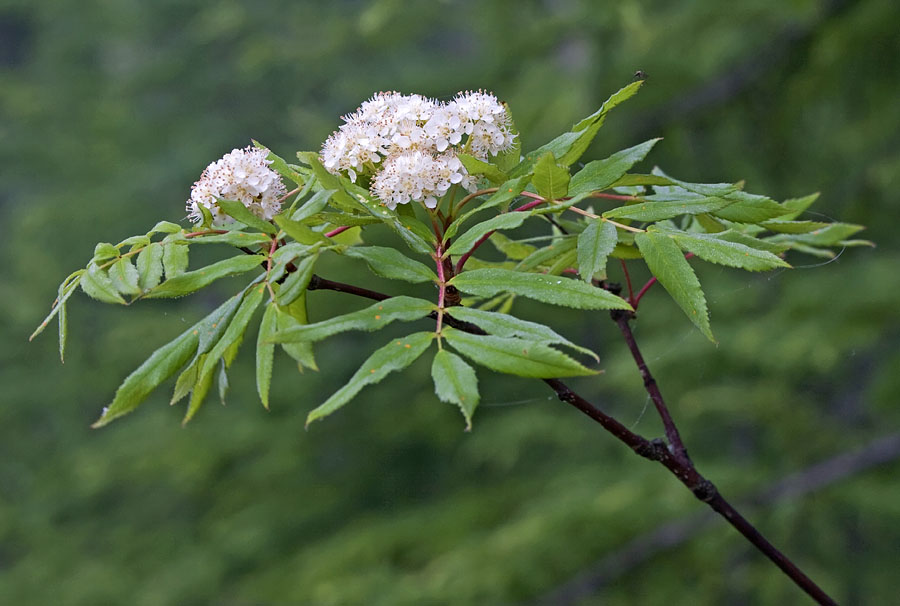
x=594, y=245
x=241, y=213
x=504, y=325
x=96, y=284
x=191, y=281
x=748, y=208
x=392, y=264
x=150, y=266
x=289, y=317
x=549, y=289
x=467, y=240
x=515, y=356
x=374, y=317
x=265, y=352
x=511, y=248
x=299, y=232
x=503, y=196
x=550, y=179
x=667, y=263
x=652, y=208
x=796, y=206
x=474, y=166
x=236, y=238
x=396, y=355
x=232, y=335
x=314, y=205
x=161, y=365
x=296, y=283
x=602, y=174
x=455, y=382
x=793, y=227
x=733, y=254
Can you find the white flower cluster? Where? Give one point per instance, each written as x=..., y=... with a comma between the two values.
x=408, y=144
x=243, y=175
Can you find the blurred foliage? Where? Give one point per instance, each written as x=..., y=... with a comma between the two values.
x=111, y=109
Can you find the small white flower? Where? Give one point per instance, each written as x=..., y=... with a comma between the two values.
x=408, y=144
x=243, y=175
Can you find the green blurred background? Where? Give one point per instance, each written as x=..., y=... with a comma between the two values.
x=111, y=109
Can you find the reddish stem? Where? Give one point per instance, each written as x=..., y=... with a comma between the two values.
x=598, y=194
x=628, y=282
x=442, y=287
x=337, y=230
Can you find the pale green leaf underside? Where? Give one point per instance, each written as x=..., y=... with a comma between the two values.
x=601, y=174
x=594, y=245
x=733, y=254
x=396, y=355
x=455, y=382
x=265, y=352
x=191, y=281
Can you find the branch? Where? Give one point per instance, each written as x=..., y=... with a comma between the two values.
x=676, y=462
x=677, y=532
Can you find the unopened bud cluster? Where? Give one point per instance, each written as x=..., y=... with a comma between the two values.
x=242, y=175
x=407, y=145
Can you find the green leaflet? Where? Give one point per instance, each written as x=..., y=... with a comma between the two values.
x=191, y=281
x=733, y=254
x=667, y=263
x=299, y=232
x=748, y=208
x=793, y=227
x=639, y=180
x=796, y=206
x=165, y=227
x=513, y=249
x=161, y=365
x=279, y=165
x=550, y=179
x=545, y=255
x=504, y=195
x=314, y=205
x=594, y=245
x=504, y=325
x=396, y=355
x=549, y=289
x=374, y=317
x=831, y=235
x=289, y=317
x=134, y=242
x=265, y=352
x=568, y=147
x=234, y=238
x=232, y=335
x=296, y=283
x=515, y=356
x=392, y=264
x=455, y=382
x=150, y=266
x=236, y=210
x=731, y=235
x=124, y=277
x=175, y=257
x=467, y=240
x=96, y=284
x=602, y=174
x=66, y=288
x=657, y=208
x=341, y=199
x=474, y=166
x=104, y=251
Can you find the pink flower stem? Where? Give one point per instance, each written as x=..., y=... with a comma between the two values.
x=337, y=230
